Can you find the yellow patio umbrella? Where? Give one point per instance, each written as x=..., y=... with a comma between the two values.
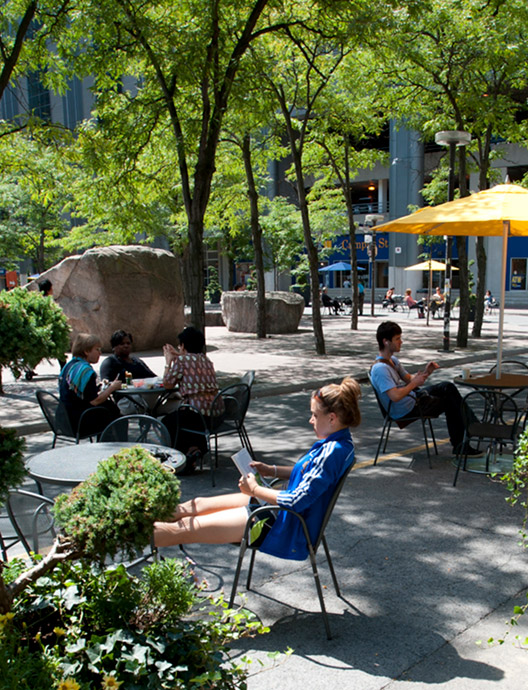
x=499, y=211
x=429, y=265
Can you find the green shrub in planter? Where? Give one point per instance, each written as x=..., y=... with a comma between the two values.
x=116, y=507
x=32, y=328
x=12, y=466
x=72, y=625
x=91, y=628
x=213, y=291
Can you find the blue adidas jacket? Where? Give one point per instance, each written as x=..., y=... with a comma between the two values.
x=311, y=485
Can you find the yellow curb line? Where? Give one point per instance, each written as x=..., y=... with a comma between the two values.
x=391, y=456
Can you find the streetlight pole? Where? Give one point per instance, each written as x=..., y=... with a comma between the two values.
x=452, y=139
x=370, y=238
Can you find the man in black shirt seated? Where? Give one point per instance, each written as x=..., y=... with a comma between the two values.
x=122, y=361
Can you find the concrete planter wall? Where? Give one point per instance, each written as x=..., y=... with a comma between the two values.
x=283, y=311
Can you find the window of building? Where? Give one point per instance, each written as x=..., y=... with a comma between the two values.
x=38, y=97
x=73, y=104
x=518, y=274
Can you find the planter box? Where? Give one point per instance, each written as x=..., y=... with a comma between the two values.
x=283, y=311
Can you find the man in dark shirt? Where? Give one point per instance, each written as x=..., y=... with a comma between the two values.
x=122, y=361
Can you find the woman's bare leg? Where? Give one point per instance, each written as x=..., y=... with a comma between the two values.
x=209, y=504
x=223, y=526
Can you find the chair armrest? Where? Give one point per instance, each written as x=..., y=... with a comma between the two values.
x=275, y=509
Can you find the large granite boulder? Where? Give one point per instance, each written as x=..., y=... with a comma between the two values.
x=134, y=288
x=283, y=311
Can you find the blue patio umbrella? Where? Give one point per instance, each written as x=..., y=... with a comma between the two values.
x=339, y=266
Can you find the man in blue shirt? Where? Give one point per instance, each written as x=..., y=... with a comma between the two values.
x=405, y=393
x=361, y=291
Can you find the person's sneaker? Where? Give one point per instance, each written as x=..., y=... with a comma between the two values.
x=474, y=452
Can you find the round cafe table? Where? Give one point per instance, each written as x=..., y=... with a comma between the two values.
x=150, y=394
x=70, y=465
x=505, y=381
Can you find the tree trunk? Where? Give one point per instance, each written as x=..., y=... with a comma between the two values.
x=41, y=249
x=256, y=234
x=481, y=287
x=354, y=321
x=11, y=58
x=196, y=196
x=463, y=319
x=484, y=157
x=347, y=191
x=195, y=267
x=61, y=550
x=311, y=249
x=313, y=259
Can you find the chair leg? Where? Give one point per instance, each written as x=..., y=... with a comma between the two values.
x=247, y=442
x=433, y=436
x=250, y=569
x=382, y=438
x=460, y=455
x=331, y=566
x=320, y=594
x=242, y=551
x=424, y=428
x=388, y=423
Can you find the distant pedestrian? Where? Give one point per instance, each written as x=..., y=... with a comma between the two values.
x=361, y=291
x=46, y=287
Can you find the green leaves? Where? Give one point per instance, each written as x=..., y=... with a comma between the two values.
x=116, y=507
x=12, y=465
x=32, y=327
x=145, y=633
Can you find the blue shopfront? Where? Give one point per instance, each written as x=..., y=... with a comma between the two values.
x=340, y=251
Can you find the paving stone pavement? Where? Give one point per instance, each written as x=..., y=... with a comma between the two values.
x=426, y=570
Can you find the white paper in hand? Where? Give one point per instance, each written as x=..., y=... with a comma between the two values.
x=243, y=461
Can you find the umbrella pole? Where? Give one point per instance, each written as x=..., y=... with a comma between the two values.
x=429, y=288
x=505, y=233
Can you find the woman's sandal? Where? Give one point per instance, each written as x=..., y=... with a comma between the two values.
x=192, y=457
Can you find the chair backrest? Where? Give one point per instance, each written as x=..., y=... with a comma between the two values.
x=384, y=412
x=55, y=413
x=490, y=414
x=236, y=402
x=511, y=366
x=248, y=378
x=137, y=428
x=31, y=518
x=330, y=507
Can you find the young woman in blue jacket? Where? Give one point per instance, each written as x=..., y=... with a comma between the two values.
x=311, y=482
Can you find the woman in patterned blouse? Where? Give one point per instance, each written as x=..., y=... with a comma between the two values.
x=190, y=371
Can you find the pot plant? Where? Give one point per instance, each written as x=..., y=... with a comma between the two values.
x=70, y=623
x=32, y=328
x=213, y=291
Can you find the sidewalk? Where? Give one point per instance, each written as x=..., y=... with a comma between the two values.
x=286, y=363
x=426, y=570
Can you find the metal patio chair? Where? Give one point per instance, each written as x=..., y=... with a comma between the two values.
x=137, y=428
x=313, y=547
x=388, y=421
x=491, y=418
x=58, y=419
